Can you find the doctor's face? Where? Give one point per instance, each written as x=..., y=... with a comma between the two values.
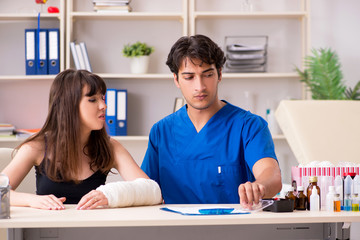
x=198, y=83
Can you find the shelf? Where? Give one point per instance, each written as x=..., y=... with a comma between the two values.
x=118, y=138
x=295, y=76
x=27, y=16
x=135, y=76
x=198, y=14
x=131, y=138
x=225, y=75
x=26, y=77
x=16, y=141
x=130, y=15
x=260, y=75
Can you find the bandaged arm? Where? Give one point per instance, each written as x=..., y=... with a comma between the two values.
x=138, y=192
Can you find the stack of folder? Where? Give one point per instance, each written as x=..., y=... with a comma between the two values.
x=42, y=51
x=110, y=6
x=80, y=56
x=246, y=54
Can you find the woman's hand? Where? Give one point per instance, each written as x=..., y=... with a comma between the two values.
x=92, y=200
x=49, y=202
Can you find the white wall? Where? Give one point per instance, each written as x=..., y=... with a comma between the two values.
x=335, y=24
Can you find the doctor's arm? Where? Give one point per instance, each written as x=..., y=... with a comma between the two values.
x=267, y=184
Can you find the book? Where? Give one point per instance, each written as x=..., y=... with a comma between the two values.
x=75, y=56
x=6, y=129
x=86, y=56
x=112, y=7
x=111, y=2
x=80, y=56
x=25, y=133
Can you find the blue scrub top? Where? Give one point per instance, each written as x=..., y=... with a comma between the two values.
x=208, y=166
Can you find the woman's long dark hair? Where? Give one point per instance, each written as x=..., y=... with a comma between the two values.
x=61, y=131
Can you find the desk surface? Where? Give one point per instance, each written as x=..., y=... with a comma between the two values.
x=23, y=217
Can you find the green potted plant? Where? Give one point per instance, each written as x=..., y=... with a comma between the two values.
x=324, y=78
x=139, y=53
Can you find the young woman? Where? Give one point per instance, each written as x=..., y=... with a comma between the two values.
x=73, y=154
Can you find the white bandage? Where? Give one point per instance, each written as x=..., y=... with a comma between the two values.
x=138, y=192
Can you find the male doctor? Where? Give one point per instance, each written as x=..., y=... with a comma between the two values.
x=209, y=151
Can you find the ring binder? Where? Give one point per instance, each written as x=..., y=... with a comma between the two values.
x=53, y=58
x=30, y=50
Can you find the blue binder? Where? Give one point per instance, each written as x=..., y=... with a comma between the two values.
x=116, y=112
x=53, y=53
x=110, y=117
x=30, y=51
x=42, y=49
x=121, y=113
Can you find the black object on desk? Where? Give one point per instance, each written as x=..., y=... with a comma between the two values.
x=281, y=205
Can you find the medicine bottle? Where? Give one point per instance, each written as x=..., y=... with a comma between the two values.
x=330, y=199
x=338, y=182
x=290, y=195
x=337, y=203
x=301, y=199
x=355, y=203
x=312, y=183
x=356, y=184
x=315, y=200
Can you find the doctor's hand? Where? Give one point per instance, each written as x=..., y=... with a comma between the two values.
x=49, y=202
x=92, y=200
x=250, y=193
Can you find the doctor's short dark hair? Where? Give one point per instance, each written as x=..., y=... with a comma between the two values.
x=195, y=47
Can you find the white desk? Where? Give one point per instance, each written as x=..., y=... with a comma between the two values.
x=152, y=216
x=22, y=217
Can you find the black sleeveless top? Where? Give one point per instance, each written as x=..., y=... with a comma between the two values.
x=72, y=191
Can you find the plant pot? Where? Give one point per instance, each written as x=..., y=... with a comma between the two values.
x=139, y=65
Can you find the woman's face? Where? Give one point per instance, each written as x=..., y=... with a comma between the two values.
x=92, y=111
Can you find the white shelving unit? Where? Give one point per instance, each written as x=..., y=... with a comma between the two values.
x=26, y=17
x=155, y=88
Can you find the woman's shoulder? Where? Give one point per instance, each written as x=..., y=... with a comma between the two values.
x=37, y=144
x=115, y=144
x=34, y=149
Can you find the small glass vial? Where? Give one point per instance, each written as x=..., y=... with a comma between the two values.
x=347, y=202
x=301, y=199
x=337, y=203
x=312, y=183
x=355, y=203
x=290, y=195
